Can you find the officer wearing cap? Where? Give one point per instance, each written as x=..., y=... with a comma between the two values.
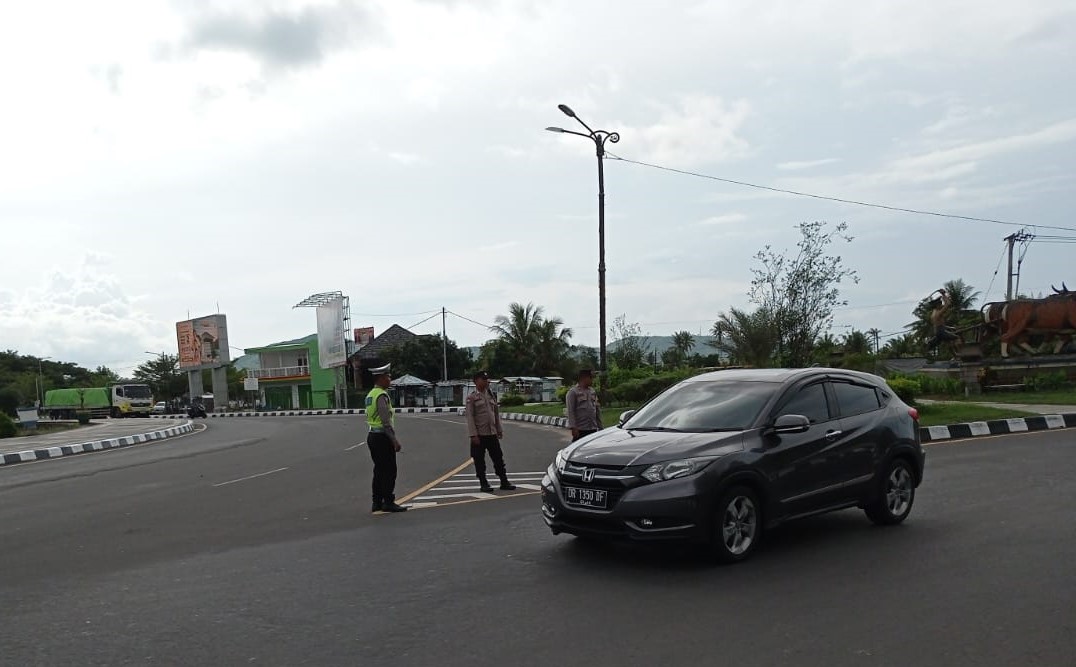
x=484, y=427
x=382, y=441
x=584, y=411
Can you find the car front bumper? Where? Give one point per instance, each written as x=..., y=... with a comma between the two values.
x=663, y=511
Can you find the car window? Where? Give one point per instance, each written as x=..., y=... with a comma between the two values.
x=855, y=399
x=704, y=406
x=810, y=401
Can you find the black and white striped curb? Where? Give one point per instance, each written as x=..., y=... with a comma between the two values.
x=997, y=427
x=547, y=420
x=93, y=446
x=311, y=413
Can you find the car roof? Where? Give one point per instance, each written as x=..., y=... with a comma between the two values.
x=778, y=374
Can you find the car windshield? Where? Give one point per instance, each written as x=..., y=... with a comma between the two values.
x=136, y=391
x=704, y=406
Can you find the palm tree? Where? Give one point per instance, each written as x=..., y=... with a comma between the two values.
x=531, y=342
x=874, y=333
x=747, y=338
x=683, y=342
x=962, y=313
x=552, y=345
x=856, y=343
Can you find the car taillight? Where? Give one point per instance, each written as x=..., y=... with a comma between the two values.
x=913, y=413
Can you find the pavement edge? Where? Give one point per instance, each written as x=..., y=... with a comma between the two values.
x=94, y=445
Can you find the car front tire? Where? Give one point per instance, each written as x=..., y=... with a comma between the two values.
x=737, y=525
x=896, y=494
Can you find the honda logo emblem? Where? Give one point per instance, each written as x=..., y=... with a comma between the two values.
x=588, y=475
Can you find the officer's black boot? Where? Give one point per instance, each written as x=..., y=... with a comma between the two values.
x=483, y=485
x=506, y=485
x=390, y=506
x=377, y=505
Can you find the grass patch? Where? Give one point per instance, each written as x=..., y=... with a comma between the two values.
x=940, y=414
x=1058, y=397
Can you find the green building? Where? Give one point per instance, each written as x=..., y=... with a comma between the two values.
x=290, y=377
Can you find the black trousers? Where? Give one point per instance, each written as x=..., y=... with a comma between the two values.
x=384, y=456
x=583, y=434
x=491, y=444
x=941, y=335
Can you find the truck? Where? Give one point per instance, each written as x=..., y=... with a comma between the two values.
x=118, y=400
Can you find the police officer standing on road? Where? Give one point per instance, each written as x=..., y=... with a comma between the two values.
x=382, y=441
x=484, y=427
x=584, y=411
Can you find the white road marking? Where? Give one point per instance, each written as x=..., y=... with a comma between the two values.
x=354, y=446
x=243, y=479
x=452, y=495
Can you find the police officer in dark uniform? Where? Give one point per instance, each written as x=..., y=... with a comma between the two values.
x=484, y=427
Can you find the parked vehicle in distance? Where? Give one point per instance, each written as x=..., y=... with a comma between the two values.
x=721, y=457
x=159, y=408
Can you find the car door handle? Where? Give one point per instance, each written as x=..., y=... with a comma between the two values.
x=832, y=435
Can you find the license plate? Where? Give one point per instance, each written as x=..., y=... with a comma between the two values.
x=595, y=498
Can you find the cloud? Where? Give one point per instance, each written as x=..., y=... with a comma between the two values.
x=946, y=158
x=405, y=158
x=700, y=129
x=81, y=315
x=280, y=39
x=807, y=164
x=725, y=219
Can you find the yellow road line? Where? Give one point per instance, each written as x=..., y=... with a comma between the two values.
x=435, y=482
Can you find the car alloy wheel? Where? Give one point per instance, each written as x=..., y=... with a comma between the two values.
x=896, y=493
x=738, y=525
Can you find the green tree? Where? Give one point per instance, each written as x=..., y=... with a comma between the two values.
x=746, y=338
x=163, y=376
x=799, y=292
x=856, y=342
x=901, y=346
x=423, y=357
x=962, y=312
x=528, y=342
x=631, y=348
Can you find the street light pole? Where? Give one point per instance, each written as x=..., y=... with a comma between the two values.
x=599, y=137
x=40, y=384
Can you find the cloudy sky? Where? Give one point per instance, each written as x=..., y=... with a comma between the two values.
x=160, y=159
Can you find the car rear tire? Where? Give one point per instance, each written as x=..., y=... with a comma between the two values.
x=895, y=494
x=737, y=525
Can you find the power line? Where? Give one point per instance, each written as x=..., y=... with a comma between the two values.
x=424, y=312
x=435, y=314
x=470, y=320
x=854, y=202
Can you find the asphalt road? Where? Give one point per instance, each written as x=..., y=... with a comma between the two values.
x=96, y=430
x=251, y=543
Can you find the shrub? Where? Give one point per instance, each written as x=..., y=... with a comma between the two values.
x=1046, y=381
x=511, y=399
x=940, y=386
x=906, y=388
x=7, y=426
x=562, y=392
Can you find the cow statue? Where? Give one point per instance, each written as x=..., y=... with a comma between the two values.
x=1016, y=321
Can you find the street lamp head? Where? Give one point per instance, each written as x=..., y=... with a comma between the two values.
x=566, y=110
x=555, y=129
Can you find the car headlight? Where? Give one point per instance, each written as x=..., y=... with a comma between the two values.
x=561, y=461
x=660, y=472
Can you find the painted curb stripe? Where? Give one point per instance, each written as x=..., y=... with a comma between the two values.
x=96, y=446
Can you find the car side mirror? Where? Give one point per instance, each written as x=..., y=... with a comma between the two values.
x=625, y=416
x=786, y=424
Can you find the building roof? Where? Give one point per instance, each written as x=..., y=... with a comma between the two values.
x=385, y=341
x=298, y=342
x=409, y=381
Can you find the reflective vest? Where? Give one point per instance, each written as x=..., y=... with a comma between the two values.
x=373, y=419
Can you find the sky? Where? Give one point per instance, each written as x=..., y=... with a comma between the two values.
x=164, y=160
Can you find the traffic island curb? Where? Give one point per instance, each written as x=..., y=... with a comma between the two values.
x=997, y=427
x=93, y=446
x=313, y=413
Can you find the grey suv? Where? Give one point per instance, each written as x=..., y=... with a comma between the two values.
x=720, y=457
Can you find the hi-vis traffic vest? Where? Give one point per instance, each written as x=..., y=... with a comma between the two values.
x=373, y=419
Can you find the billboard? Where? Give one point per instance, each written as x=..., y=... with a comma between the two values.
x=331, y=347
x=203, y=342
x=363, y=336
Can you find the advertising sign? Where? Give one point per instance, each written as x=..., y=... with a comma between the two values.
x=203, y=342
x=250, y=384
x=331, y=350
x=363, y=336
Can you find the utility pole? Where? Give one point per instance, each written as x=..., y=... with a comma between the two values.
x=1012, y=239
x=444, y=344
